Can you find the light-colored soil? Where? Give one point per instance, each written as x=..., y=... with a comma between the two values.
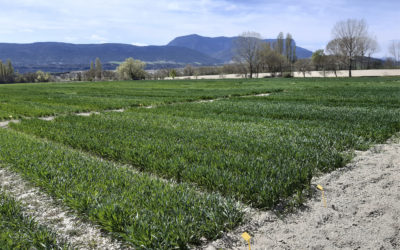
x=47, y=118
x=363, y=210
x=265, y=94
x=87, y=113
x=339, y=73
x=355, y=73
x=4, y=124
x=48, y=212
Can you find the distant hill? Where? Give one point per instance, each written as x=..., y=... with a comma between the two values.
x=220, y=47
x=62, y=57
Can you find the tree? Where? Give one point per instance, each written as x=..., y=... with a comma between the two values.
x=349, y=40
x=368, y=46
x=290, y=48
x=172, y=73
x=98, y=69
x=270, y=60
x=246, y=51
x=42, y=77
x=91, y=72
x=279, y=44
x=9, y=71
x=131, y=70
x=389, y=63
x=3, y=73
x=303, y=65
x=7, y=74
x=394, y=50
x=319, y=59
x=161, y=74
x=333, y=64
x=188, y=70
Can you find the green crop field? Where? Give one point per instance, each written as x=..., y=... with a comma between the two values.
x=172, y=175
x=35, y=100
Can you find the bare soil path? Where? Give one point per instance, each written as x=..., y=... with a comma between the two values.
x=363, y=210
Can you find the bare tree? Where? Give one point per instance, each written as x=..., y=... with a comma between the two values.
x=246, y=51
x=303, y=65
x=349, y=38
x=394, y=50
x=368, y=46
x=98, y=68
x=188, y=70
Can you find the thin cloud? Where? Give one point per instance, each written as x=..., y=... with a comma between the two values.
x=158, y=22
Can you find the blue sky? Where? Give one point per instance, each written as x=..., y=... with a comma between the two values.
x=156, y=22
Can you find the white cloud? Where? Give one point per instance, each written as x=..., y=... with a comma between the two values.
x=98, y=39
x=158, y=22
x=139, y=44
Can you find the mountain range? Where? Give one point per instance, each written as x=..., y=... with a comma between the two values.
x=220, y=48
x=62, y=57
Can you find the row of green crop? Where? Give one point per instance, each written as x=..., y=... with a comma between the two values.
x=256, y=163
x=140, y=210
x=19, y=231
x=374, y=123
x=34, y=100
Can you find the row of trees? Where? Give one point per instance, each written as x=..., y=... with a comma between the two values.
x=8, y=75
x=351, y=47
x=130, y=69
x=6, y=72
x=95, y=73
x=256, y=55
x=351, y=42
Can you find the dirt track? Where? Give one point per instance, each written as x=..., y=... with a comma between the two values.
x=363, y=210
x=339, y=73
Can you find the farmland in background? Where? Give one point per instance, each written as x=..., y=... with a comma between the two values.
x=259, y=150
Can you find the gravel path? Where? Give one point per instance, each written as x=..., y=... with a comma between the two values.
x=363, y=210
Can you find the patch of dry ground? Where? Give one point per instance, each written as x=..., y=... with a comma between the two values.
x=339, y=73
x=363, y=210
x=4, y=124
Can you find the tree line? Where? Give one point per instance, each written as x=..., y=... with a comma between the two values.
x=351, y=48
x=130, y=69
x=8, y=75
x=257, y=55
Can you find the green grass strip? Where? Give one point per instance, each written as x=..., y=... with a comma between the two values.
x=143, y=211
